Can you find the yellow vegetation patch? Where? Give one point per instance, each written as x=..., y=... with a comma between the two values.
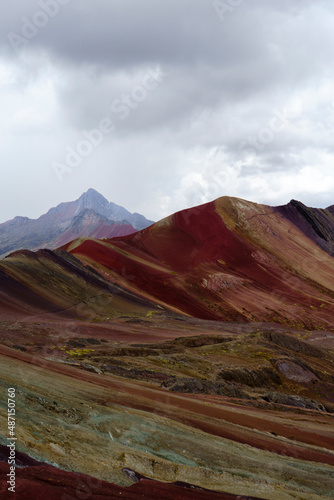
x=79, y=352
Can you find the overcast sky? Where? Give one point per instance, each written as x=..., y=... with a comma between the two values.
x=164, y=104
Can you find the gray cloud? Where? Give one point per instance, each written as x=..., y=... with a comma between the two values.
x=245, y=106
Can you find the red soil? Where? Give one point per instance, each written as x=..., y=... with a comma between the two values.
x=100, y=232
x=46, y=482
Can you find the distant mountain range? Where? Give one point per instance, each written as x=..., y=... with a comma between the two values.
x=91, y=216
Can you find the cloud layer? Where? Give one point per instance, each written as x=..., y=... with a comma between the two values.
x=164, y=105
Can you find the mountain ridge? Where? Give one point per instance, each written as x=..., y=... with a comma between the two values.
x=230, y=260
x=54, y=228
x=316, y=223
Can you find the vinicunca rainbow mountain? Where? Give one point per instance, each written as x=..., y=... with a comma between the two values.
x=198, y=351
x=229, y=260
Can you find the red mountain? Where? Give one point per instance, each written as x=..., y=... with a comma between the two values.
x=229, y=259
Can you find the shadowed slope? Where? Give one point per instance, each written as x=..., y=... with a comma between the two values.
x=316, y=223
x=56, y=282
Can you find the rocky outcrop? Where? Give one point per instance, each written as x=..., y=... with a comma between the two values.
x=135, y=373
x=199, y=341
x=296, y=401
x=295, y=372
x=257, y=377
x=198, y=386
x=290, y=343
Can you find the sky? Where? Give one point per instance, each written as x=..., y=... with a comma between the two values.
x=165, y=104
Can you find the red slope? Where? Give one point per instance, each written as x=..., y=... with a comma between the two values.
x=221, y=261
x=99, y=231
x=41, y=482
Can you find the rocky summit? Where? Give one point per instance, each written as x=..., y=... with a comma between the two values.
x=91, y=216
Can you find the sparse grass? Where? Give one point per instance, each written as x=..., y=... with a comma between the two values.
x=150, y=314
x=79, y=352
